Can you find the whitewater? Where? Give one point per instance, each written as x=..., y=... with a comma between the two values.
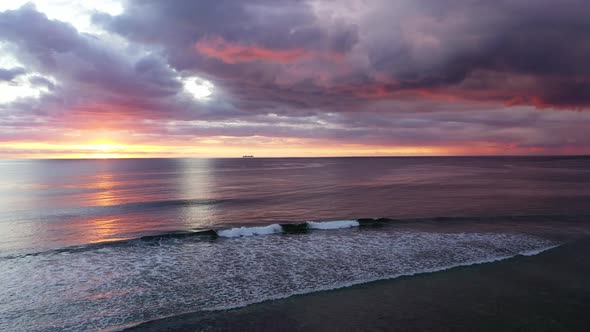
x=107, y=287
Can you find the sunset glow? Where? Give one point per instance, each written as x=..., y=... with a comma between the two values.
x=124, y=79
x=165, y=161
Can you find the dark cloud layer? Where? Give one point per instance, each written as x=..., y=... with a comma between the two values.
x=467, y=49
x=373, y=72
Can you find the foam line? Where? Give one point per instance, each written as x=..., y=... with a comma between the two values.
x=249, y=231
x=338, y=224
x=287, y=228
x=538, y=251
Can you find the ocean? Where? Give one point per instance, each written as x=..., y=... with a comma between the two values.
x=99, y=245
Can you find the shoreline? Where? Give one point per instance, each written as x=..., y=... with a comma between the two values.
x=544, y=292
x=534, y=223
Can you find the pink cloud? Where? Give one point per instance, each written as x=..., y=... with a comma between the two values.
x=232, y=53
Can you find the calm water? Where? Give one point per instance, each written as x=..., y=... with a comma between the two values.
x=64, y=266
x=58, y=203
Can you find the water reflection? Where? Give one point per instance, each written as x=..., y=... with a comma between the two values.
x=105, y=195
x=136, y=200
x=101, y=230
x=57, y=203
x=196, y=181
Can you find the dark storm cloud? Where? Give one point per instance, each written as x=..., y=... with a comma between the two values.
x=267, y=23
x=470, y=49
x=450, y=47
x=261, y=52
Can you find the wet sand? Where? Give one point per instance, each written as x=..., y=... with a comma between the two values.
x=546, y=292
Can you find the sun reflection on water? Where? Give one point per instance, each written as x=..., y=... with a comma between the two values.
x=102, y=230
x=105, y=194
x=196, y=182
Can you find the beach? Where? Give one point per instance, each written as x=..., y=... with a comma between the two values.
x=544, y=292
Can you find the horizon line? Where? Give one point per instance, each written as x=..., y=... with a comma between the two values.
x=314, y=157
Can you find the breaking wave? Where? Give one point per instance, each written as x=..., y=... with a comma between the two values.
x=103, y=287
x=289, y=228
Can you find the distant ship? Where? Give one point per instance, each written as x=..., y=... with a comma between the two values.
x=248, y=156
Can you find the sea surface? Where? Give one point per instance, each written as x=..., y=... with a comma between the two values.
x=95, y=245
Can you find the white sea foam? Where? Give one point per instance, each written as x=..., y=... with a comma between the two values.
x=332, y=224
x=535, y=252
x=106, y=288
x=276, y=228
x=249, y=231
x=393, y=276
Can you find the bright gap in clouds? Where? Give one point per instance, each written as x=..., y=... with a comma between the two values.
x=21, y=87
x=76, y=12
x=199, y=88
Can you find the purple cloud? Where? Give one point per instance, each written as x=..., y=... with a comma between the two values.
x=401, y=72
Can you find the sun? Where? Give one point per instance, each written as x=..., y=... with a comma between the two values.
x=104, y=149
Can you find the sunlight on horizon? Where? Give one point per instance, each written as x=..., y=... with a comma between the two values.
x=220, y=148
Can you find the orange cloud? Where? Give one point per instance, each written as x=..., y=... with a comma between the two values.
x=232, y=53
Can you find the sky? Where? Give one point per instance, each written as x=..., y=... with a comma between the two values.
x=274, y=78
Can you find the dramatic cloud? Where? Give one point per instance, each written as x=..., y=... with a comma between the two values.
x=466, y=75
x=515, y=52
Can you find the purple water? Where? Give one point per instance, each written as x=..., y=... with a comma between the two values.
x=71, y=257
x=46, y=204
